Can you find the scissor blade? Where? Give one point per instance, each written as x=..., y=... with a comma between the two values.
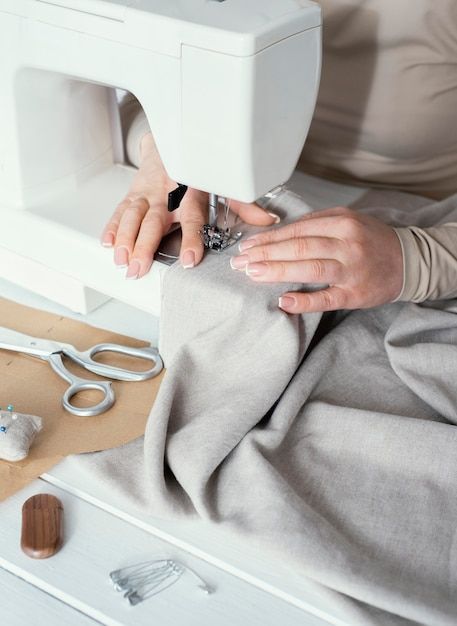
x=18, y=342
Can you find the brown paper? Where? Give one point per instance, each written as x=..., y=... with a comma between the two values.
x=31, y=386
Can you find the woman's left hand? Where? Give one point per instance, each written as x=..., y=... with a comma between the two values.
x=357, y=256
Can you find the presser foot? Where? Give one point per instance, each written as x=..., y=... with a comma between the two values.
x=218, y=239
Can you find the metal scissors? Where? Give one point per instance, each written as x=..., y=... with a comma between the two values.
x=52, y=352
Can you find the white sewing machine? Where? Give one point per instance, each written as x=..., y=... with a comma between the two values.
x=229, y=89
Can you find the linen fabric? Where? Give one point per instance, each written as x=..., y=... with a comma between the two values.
x=329, y=441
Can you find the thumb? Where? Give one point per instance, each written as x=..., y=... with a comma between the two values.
x=193, y=212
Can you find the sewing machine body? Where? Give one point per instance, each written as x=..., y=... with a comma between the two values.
x=228, y=87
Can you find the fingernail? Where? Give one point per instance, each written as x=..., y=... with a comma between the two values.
x=133, y=270
x=275, y=216
x=188, y=259
x=287, y=302
x=121, y=256
x=246, y=244
x=256, y=269
x=239, y=262
x=108, y=240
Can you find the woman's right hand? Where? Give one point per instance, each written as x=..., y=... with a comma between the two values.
x=142, y=218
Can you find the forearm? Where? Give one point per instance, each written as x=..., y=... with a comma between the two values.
x=429, y=261
x=135, y=125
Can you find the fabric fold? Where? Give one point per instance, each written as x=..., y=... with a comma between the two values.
x=327, y=441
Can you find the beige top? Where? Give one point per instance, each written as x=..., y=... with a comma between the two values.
x=429, y=262
x=386, y=116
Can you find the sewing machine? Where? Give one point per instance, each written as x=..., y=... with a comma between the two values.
x=229, y=89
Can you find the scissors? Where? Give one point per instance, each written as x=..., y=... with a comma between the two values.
x=52, y=352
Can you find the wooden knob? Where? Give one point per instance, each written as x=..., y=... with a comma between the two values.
x=42, y=526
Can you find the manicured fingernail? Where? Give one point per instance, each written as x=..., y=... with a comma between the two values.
x=275, y=216
x=133, y=270
x=108, y=240
x=256, y=269
x=239, y=262
x=188, y=259
x=121, y=256
x=287, y=302
x=246, y=244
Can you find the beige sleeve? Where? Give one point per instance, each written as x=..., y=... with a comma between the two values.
x=429, y=262
x=134, y=125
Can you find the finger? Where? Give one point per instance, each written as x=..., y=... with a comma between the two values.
x=129, y=226
x=319, y=226
x=311, y=271
x=194, y=215
x=151, y=231
x=330, y=212
x=108, y=236
x=330, y=299
x=254, y=214
x=290, y=250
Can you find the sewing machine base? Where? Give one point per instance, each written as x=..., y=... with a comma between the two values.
x=49, y=283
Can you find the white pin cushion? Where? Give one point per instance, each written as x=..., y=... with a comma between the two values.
x=17, y=432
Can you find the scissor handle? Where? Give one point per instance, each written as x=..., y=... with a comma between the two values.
x=104, y=386
x=85, y=359
x=80, y=384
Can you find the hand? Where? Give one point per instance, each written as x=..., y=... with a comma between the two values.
x=357, y=256
x=142, y=218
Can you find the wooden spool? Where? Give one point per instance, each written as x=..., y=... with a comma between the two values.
x=42, y=526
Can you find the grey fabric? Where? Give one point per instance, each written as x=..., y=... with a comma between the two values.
x=328, y=440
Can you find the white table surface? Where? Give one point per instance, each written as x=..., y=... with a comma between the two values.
x=101, y=534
